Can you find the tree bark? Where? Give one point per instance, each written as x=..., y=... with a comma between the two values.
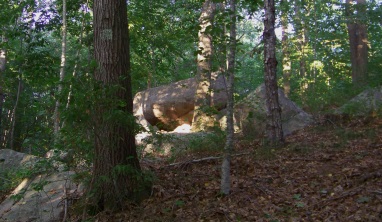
x=358, y=41
x=274, y=126
x=201, y=119
x=286, y=63
x=3, y=62
x=77, y=58
x=301, y=31
x=225, y=186
x=56, y=114
x=12, y=137
x=116, y=167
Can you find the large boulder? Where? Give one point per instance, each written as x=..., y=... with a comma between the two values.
x=172, y=105
x=250, y=114
x=45, y=196
x=366, y=103
x=11, y=160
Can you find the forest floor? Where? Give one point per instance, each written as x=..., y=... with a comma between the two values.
x=330, y=172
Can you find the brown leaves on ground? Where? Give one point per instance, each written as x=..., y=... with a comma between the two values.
x=332, y=172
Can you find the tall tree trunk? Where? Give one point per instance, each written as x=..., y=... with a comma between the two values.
x=274, y=126
x=201, y=119
x=286, y=63
x=225, y=186
x=13, y=119
x=116, y=167
x=76, y=65
x=358, y=40
x=301, y=32
x=56, y=117
x=3, y=62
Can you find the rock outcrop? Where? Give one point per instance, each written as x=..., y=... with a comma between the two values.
x=364, y=104
x=250, y=114
x=172, y=105
x=43, y=197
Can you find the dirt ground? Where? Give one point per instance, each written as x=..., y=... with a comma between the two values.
x=330, y=172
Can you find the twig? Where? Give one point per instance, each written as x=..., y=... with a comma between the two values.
x=65, y=203
x=377, y=192
x=349, y=193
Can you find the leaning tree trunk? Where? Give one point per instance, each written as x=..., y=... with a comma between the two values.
x=358, y=40
x=274, y=126
x=201, y=119
x=225, y=186
x=14, y=117
x=116, y=167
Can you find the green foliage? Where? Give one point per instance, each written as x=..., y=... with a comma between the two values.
x=162, y=36
x=207, y=142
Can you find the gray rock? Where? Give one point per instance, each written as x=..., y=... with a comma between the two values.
x=363, y=104
x=39, y=198
x=250, y=114
x=10, y=159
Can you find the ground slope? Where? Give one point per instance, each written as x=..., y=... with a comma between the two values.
x=331, y=172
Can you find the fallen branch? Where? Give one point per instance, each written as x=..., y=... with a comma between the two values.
x=203, y=159
x=346, y=194
x=196, y=161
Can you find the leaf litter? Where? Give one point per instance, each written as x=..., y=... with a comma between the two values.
x=330, y=172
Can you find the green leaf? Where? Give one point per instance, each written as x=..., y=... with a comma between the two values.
x=363, y=200
x=300, y=204
x=297, y=196
x=179, y=203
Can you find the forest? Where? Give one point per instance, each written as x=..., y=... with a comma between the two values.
x=190, y=110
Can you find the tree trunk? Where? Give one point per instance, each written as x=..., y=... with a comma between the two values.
x=358, y=40
x=13, y=118
x=274, y=127
x=226, y=165
x=116, y=167
x=3, y=62
x=56, y=114
x=77, y=58
x=201, y=119
x=301, y=33
x=286, y=63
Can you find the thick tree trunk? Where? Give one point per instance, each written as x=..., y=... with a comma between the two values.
x=116, y=167
x=358, y=40
x=274, y=127
x=201, y=119
x=226, y=165
x=286, y=63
